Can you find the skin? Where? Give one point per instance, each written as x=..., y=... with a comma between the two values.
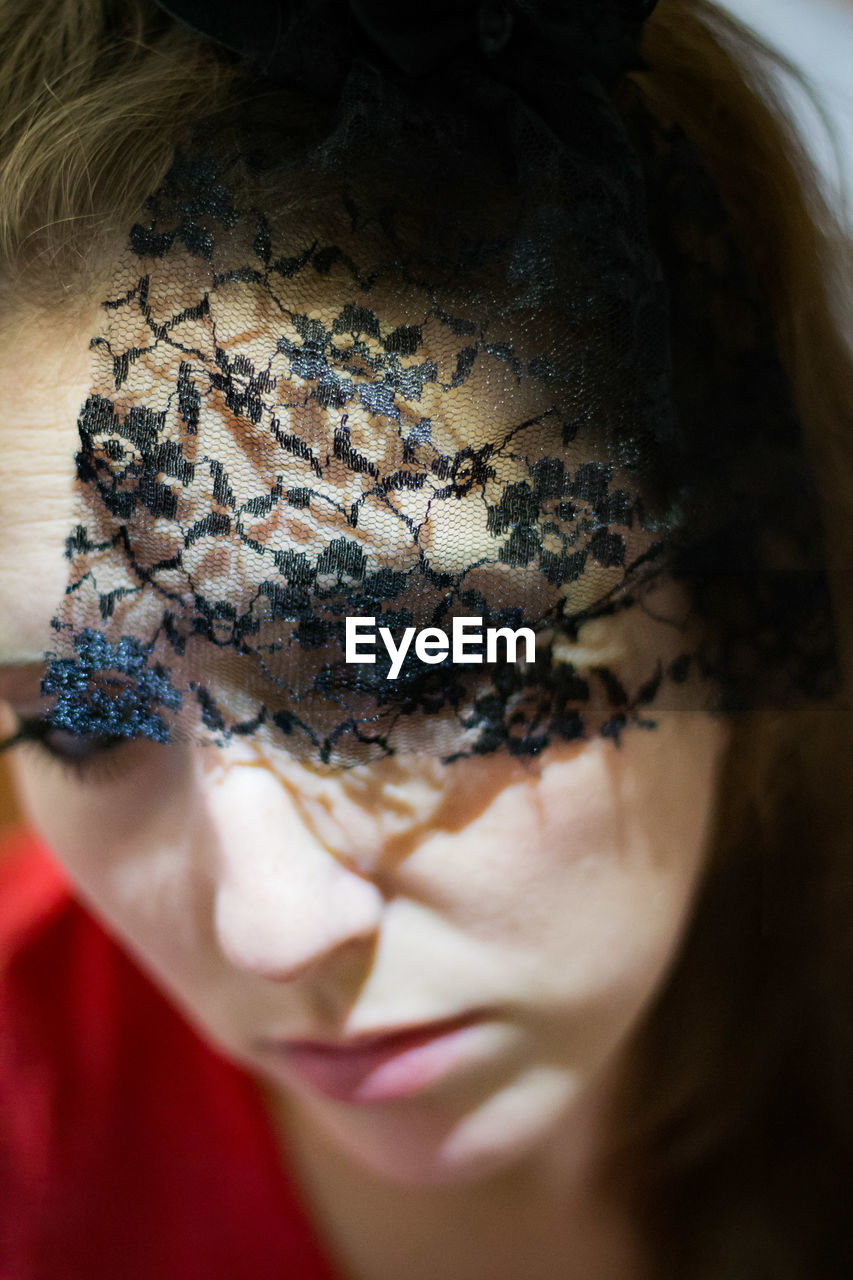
x=270, y=901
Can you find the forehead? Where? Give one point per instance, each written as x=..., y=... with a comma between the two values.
x=208, y=422
x=44, y=374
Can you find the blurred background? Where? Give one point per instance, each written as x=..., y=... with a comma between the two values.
x=815, y=35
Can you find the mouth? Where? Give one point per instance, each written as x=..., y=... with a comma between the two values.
x=375, y=1067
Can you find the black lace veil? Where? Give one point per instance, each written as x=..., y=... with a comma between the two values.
x=416, y=333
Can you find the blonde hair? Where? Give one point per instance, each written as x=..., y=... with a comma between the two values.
x=94, y=99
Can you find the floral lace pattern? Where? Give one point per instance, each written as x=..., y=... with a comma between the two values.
x=350, y=366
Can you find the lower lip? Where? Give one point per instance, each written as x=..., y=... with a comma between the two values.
x=380, y=1072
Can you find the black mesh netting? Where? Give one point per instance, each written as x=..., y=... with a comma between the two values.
x=418, y=350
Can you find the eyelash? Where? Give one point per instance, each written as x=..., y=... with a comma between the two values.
x=105, y=764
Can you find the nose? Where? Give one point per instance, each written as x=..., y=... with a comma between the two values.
x=283, y=904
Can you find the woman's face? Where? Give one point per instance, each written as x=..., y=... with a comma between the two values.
x=517, y=918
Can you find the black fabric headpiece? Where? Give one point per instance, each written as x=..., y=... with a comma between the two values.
x=311, y=43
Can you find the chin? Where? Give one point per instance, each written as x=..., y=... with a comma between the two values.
x=424, y=1145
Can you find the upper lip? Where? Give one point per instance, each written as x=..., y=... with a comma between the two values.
x=380, y=1038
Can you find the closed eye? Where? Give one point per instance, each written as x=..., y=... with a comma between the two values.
x=89, y=756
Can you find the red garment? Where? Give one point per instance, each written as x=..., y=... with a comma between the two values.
x=129, y=1149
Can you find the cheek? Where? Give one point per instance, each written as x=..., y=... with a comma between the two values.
x=579, y=882
x=127, y=845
